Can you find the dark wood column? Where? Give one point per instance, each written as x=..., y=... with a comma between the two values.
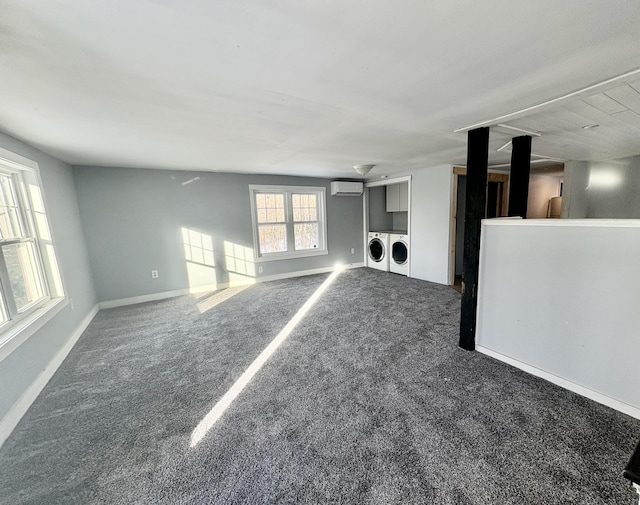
x=519, y=180
x=475, y=201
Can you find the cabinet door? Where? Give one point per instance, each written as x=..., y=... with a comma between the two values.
x=403, y=198
x=393, y=197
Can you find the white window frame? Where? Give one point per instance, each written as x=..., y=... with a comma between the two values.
x=24, y=323
x=288, y=191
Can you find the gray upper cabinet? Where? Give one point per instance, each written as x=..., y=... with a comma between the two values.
x=398, y=197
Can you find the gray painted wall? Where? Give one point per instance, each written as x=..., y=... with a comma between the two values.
x=379, y=218
x=20, y=369
x=607, y=189
x=132, y=219
x=574, y=192
x=400, y=221
x=614, y=189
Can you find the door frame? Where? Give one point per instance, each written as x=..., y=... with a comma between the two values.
x=502, y=179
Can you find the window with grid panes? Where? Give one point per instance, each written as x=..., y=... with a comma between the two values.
x=288, y=221
x=24, y=238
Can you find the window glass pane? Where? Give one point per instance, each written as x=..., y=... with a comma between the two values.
x=306, y=208
x=306, y=236
x=22, y=269
x=270, y=201
x=272, y=238
x=10, y=224
x=3, y=310
x=270, y=207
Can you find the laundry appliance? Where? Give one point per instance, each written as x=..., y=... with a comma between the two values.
x=378, y=250
x=399, y=253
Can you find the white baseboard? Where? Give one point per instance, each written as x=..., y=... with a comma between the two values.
x=121, y=302
x=11, y=419
x=132, y=300
x=625, y=408
x=302, y=273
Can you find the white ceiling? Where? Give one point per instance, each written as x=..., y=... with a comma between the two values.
x=311, y=87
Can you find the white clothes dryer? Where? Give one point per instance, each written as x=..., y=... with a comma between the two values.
x=378, y=250
x=399, y=253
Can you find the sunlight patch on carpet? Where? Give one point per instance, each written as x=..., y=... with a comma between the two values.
x=218, y=297
x=223, y=404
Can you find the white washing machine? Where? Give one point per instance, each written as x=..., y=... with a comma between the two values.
x=399, y=253
x=378, y=250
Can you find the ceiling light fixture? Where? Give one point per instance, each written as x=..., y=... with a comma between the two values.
x=589, y=126
x=363, y=169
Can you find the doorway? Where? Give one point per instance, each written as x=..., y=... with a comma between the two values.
x=496, y=206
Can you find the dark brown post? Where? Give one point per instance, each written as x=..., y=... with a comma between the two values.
x=476, y=197
x=519, y=179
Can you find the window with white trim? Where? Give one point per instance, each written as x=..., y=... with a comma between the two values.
x=29, y=276
x=288, y=221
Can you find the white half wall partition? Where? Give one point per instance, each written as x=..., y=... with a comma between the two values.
x=559, y=299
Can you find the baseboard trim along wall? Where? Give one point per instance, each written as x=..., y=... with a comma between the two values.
x=121, y=302
x=19, y=409
x=625, y=408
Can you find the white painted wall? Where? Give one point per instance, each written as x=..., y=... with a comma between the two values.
x=541, y=189
x=560, y=296
x=431, y=194
x=574, y=194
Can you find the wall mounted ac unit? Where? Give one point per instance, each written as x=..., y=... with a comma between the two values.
x=346, y=188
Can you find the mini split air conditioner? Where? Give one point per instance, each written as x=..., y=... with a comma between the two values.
x=346, y=188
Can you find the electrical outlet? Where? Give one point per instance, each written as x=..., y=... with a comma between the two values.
x=154, y=274
x=353, y=250
x=260, y=270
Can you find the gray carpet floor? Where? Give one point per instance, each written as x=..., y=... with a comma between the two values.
x=368, y=401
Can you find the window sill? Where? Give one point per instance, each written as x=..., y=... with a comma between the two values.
x=16, y=334
x=291, y=256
